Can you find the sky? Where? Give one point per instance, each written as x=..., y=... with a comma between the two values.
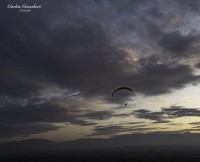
x=60, y=64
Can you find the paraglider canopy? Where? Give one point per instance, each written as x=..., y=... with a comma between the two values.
x=120, y=88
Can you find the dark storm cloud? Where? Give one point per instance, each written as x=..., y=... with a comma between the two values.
x=167, y=113
x=68, y=56
x=197, y=65
x=25, y=130
x=178, y=45
x=155, y=77
x=175, y=42
x=192, y=6
x=46, y=112
x=76, y=54
x=18, y=120
x=42, y=113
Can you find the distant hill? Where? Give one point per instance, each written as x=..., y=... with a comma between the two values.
x=150, y=139
x=155, y=147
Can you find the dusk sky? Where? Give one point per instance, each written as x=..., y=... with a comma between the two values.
x=60, y=64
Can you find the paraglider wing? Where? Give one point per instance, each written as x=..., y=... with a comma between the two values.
x=121, y=89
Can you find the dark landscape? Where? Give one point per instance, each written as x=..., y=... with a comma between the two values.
x=141, y=147
x=129, y=154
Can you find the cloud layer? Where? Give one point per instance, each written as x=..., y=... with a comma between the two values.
x=57, y=61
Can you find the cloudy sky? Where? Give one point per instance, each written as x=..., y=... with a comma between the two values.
x=60, y=64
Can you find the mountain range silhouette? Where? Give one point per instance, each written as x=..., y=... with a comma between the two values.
x=130, y=147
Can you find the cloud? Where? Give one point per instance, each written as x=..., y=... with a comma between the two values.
x=175, y=42
x=175, y=124
x=32, y=113
x=98, y=115
x=67, y=55
x=105, y=130
x=165, y=114
x=70, y=53
x=155, y=116
x=132, y=123
x=116, y=129
x=178, y=45
x=43, y=113
x=20, y=120
x=195, y=123
x=197, y=65
x=189, y=130
x=178, y=111
x=156, y=77
x=25, y=130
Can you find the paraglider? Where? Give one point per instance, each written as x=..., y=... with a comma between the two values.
x=122, y=88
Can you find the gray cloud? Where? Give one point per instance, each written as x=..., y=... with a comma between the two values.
x=195, y=123
x=19, y=120
x=188, y=130
x=178, y=111
x=197, y=65
x=167, y=113
x=155, y=116
x=70, y=53
x=98, y=115
x=178, y=45
x=33, y=113
x=132, y=123
x=45, y=113
x=157, y=78
x=104, y=115
x=25, y=130
x=175, y=42
x=106, y=130
x=116, y=129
